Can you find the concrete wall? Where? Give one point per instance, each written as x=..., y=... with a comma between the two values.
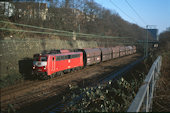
x=16, y=53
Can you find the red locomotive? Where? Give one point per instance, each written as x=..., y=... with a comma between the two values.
x=48, y=65
x=58, y=61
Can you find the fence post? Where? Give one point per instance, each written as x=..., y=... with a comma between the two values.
x=147, y=99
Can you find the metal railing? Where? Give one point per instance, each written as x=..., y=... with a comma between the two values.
x=143, y=99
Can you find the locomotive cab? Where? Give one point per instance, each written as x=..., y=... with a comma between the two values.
x=39, y=64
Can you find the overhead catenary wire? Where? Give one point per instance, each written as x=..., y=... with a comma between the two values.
x=136, y=12
x=122, y=11
x=60, y=32
x=30, y=26
x=36, y=27
x=23, y=40
x=38, y=32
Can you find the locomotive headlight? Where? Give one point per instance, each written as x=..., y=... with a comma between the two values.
x=44, y=67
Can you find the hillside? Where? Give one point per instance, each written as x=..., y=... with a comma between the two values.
x=31, y=27
x=84, y=16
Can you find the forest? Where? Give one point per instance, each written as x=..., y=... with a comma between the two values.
x=84, y=16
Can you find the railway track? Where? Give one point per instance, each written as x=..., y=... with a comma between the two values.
x=23, y=94
x=17, y=87
x=33, y=92
x=59, y=106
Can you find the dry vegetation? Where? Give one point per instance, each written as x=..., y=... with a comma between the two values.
x=114, y=96
x=162, y=97
x=84, y=16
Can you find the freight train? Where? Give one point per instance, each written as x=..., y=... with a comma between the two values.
x=49, y=64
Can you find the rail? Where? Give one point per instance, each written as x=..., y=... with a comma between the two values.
x=112, y=76
x=143, y=99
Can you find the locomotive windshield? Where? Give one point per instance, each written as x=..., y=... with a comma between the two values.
x=43, y=59
x=36, y=58
x=40, y=58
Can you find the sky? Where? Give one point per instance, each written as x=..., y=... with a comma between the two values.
x=155, y=13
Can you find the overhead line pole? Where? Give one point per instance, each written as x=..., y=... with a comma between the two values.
x=146, y=43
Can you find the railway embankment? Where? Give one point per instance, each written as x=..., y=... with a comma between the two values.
x=16, y=54
x=90, y=95
x=31, y=92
